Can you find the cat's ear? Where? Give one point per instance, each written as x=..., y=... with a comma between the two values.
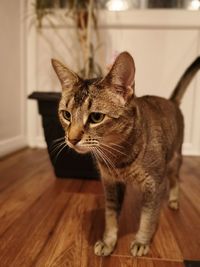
x=67, y=77
x=122, y=75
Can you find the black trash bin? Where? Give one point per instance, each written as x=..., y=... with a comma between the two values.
x=68, y=164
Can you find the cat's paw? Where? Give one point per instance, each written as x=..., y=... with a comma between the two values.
x=138, y=249
x=102, y=249
x=173, y=204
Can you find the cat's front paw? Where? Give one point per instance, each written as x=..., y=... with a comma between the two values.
x=139, y=249
x=102, y=249
x=173, y=204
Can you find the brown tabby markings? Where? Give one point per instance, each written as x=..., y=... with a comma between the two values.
x=138, y=140
x=83, y=92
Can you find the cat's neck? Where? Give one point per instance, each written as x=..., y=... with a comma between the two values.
x=130, y=143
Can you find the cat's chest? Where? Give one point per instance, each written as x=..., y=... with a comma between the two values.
x=133, y=173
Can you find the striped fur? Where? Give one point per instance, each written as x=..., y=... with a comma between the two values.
x=139, y=139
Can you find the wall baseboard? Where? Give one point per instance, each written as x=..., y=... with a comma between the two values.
x=12, y=144
x=190, y=150
x=37, y=142
x=40, y=142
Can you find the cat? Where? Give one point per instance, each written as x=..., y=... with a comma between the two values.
x=134, y=139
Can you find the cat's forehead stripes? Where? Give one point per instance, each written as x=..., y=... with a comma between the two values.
x=82, y=92
x=69, y=104
x=80, y=95
x=89, y=103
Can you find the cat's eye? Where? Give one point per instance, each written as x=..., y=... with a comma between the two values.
x=96, y=117
x=66, y=115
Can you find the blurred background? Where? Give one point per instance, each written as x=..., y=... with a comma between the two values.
x=162, y=36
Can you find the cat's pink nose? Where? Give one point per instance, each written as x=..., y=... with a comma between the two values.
x=74, y=141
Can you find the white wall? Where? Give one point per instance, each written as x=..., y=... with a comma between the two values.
x=163, y=44
x=12, y=94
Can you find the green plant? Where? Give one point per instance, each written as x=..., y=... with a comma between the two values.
x=83, y=14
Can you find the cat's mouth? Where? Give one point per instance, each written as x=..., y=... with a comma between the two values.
x=82, y=149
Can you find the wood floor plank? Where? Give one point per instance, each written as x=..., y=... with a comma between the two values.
x=21, y=157
x=21, y=199
x=158, y=263
x=191, y=164
x=92, y=187
x=50, y=222
x=13, y=188
x=164, y=244
x=64, y=247
x=22, y=242
x=117, y=261
x=92, y=229
x=69, y=244
x=185, y=225
x=23, y=166
x=17, y=156
x=190, y=186
x=129, y=221
x=59, y=185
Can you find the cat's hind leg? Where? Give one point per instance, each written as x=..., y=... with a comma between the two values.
x=173, y=176
x=114, y=195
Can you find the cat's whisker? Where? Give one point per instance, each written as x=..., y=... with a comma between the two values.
x=102, y=156
x=107, y=150
x=55, y=150
x=56, y=147
x=99, y=156
x=58, y=139
x=56, y=142
x=100, y=139
x=110, y=165
x=107, y=159
x=120, y=146
x=90, y=143
x=114, y=149
x=59, y=152
x=95, y=153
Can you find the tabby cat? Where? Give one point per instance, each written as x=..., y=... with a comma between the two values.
x=134, y=139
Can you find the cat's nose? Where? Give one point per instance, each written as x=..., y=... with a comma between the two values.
x=74, y=134
x=74, y=141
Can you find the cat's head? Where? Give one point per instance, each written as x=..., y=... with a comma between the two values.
x=95, y=113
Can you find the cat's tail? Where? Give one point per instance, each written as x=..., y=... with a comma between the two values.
x=184, y=81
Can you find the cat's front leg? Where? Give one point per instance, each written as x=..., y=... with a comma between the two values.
x=152, y=196
x=114, y=195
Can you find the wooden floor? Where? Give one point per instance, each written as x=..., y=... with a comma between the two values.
x=49, y=222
